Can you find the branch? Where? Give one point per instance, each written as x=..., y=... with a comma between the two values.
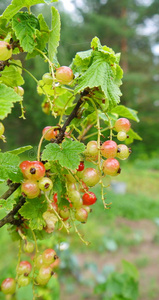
x=9, y=218
x=73, y=114
x=10, y=191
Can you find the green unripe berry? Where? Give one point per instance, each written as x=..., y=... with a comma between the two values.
x=45, y=184
x=1, y=129
x=5, y=50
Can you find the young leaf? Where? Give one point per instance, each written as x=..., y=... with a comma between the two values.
x=33, y=211
x=25, y=26
x=54, y=34
x=7, y=97
x=9, y=167
x=68, y=154
x=20, y=150
x=7, y=204
x=126, y=112
x=11, y=76
x=130, y=269
x=100, y=74
x=132, y=136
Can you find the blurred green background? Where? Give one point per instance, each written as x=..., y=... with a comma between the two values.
x=129, y=229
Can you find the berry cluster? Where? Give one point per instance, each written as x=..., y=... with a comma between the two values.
x=44, y=266
x=34, y=172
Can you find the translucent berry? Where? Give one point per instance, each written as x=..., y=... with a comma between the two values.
x=49, y=133
x=19, y=90
x=90, y=176
x=23, y=280
x=81, y=215
x=109, y=149
x=5, y=50
x=8, y=286
x=64, y=75
x=123, y=152
x=39, y=261
x=30, y=189
x=28, y=247
x=50, y=219
x=92, y=148
x=111, y=167
x=1, y=129
x=45, y=272
x=121, y=136
x=122, y=124
x=64, y=213
x=34, y=170
x=24, y=268
x=45, y=184
x=47, y=78
x=49, y=256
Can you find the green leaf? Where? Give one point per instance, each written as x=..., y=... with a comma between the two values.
x=68, y=154
x=130, y=269
x=7, y=204
x=54, y=34
x=11, y=75
x=132, y=136
x=41, y=38
x=25, y=25
x=33, y=211
x=9, y=167
x=20, y=150
x=16, y=5
x=126, y=112
x=81, y=61
x=100, y=74
x=7, y=97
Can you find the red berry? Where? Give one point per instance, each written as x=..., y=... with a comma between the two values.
x=122, y=124
x=8, y=286
x=111, y=167
x=89, y=198
x=81, y=166
x=90, y=176
x=32, y=169
x=109, y=149
x=55, y=198
x=24, y=268
x=30, y=189
x=5, y=50
x=64, y=75
x=49, y=133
